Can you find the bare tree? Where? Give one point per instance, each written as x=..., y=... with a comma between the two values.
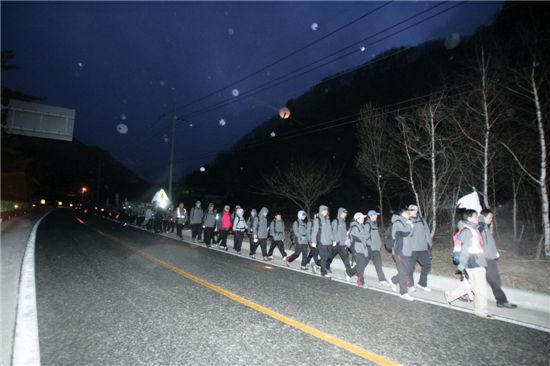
x=480, y=111
x=303, y=183
x=371, y=157
x=529, y=85
x=429, y=162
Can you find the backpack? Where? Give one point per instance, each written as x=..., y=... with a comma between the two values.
x=389, y=241
x=457, y=246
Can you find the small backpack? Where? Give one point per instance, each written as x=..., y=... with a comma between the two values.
x=457, y=246
x=389, y=241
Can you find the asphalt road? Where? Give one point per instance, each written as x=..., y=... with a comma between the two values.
x=100, y=303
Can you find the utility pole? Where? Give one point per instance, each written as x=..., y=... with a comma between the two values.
x=172, y=146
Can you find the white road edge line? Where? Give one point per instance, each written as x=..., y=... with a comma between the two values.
x=26, y=348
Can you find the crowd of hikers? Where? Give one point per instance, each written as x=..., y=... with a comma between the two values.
x=318, y=240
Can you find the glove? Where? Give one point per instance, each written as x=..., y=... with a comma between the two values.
x=255, y=240
x=314, y=245
x=461, y=269
x=333, y=243
x=204, y=226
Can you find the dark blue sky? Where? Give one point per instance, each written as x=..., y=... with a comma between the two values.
x=132, y=62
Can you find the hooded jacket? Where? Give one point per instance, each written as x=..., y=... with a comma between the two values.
x=401, y=232
x=301, y=231
x=277, y=230
x=339, y=228
x=322, y=230
x=210, y=219
x=490, y=249
x=196, y=215
x=259, y=228
x=359, y=237
x=375, y=241
x=421, y=239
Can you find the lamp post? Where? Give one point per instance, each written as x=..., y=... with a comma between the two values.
x=83, y=190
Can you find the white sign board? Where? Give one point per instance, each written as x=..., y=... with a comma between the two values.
x=40, y=120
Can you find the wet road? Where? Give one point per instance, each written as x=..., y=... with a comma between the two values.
x=113, y=295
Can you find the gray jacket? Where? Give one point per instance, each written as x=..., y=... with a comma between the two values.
x=401, y=232
x=239, y=224
x=181, y=215
x=339, y=229
x=467, y=258
x=259, y=228
x=196, y=215
x=375, y=241
x=359, y=237
x=490, y=249
x=277, y=230
x=321, y=233
x=421, y=238
x=301, y=231
x=209, y=219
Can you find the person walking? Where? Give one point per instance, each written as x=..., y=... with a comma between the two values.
x=260, y=233
x=239, y=229
x=321, y=236
x=313, y=255
x=491, y=256
x=195, y=219
x=209, y=225
x=339, y=230
x=421, y=246
x=181, y=219
x=358, y=244
x=374, y=245
x=250, y=224
x=472, y=264
x=224, y=225
x=400, y=233
x=277, y=231
x=301, y=233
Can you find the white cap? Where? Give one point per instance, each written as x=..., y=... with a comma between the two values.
x=357, y=215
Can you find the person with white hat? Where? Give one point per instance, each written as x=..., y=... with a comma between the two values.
x=374, y=245
x=301, y=234
x=358, y=245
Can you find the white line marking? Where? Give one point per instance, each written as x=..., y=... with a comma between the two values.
x=26, y=349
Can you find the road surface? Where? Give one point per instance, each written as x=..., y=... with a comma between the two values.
x=113, y=295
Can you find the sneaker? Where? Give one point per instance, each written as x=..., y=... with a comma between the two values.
x=266, y=258
x=411, y=289
x=407, y=297
x=348, y=278
x=270, y=258
x=425, y=288
x=506, y=305
x=286, y=261
x=384, y=283
x=225, y=248
x=486, y=316
x=252, y=256
x=361, y=284
x=238, y=253
x=329, y=271
x=328, y=275
x=393, y=287
x=313, y=269
x=303, y=268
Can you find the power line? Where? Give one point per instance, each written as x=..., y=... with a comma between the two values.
x=281, y=79
x=292, y=53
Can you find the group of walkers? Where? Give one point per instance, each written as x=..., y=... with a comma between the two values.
x=318, y=240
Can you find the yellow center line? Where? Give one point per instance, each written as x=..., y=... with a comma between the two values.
x=359, y=351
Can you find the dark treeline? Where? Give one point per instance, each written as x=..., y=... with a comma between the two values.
x=469, y=120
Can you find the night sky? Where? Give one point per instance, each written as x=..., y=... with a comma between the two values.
x=134, y=62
